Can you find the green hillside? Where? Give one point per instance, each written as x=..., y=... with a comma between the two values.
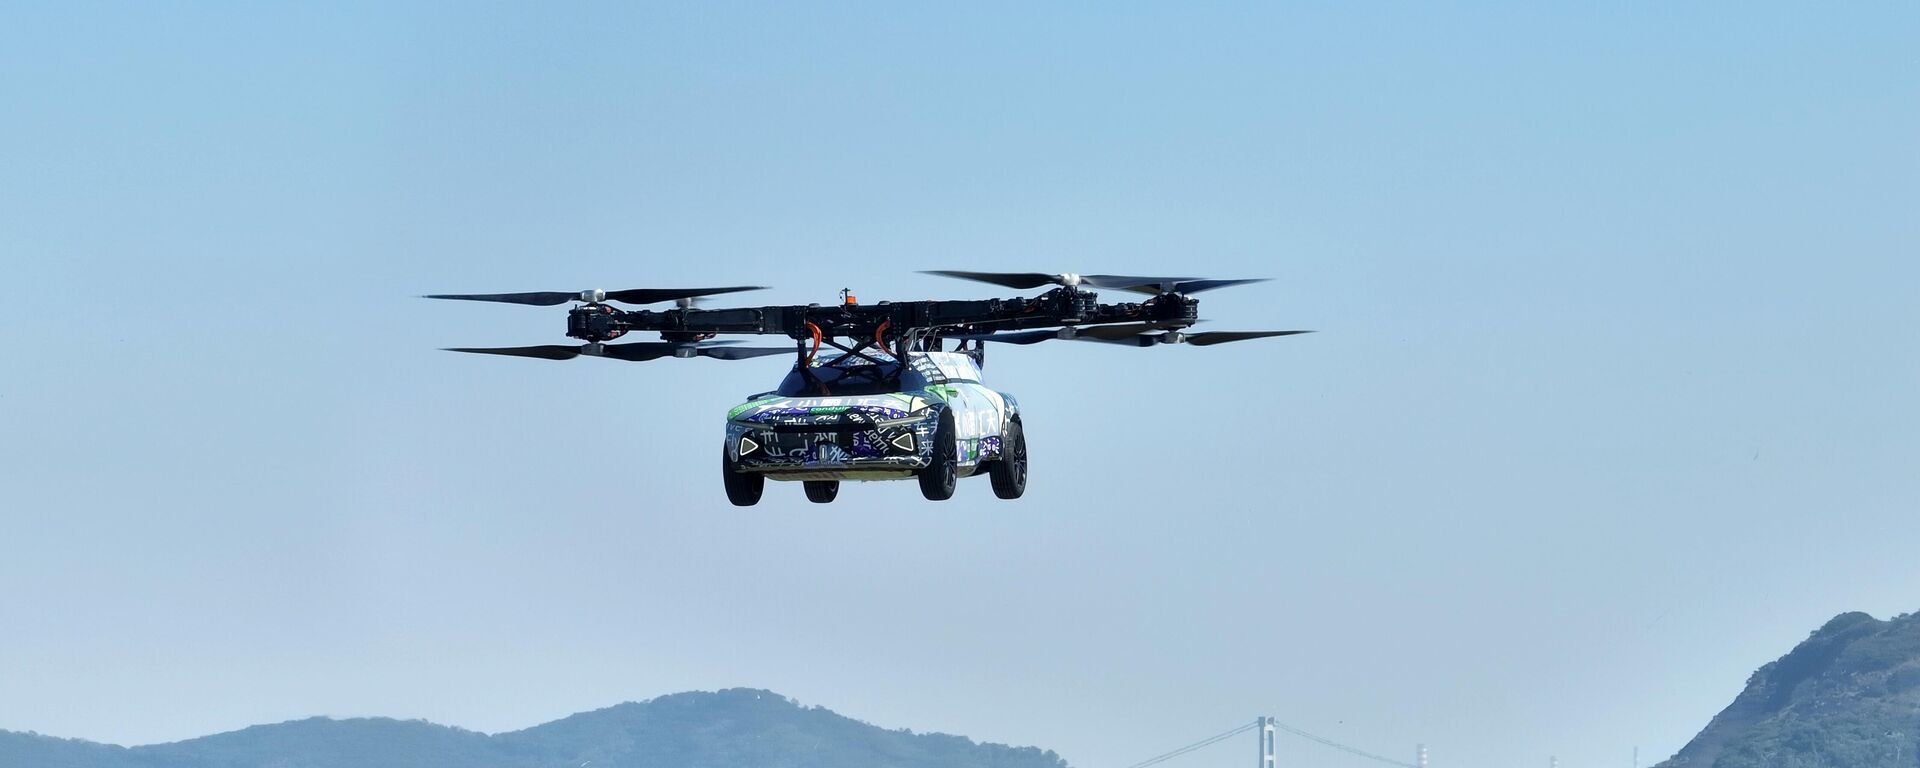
x=729, y=728
x=1847, y=697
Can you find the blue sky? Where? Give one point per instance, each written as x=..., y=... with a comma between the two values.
x=1613, y=399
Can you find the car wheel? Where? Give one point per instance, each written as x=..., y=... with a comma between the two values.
x=1009, y=472
x=938, y=479
x=743, y=488
x=821, y=491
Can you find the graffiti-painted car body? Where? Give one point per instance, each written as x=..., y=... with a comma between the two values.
x=837, y=418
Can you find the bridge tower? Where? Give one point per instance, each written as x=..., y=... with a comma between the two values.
x=1267, y=758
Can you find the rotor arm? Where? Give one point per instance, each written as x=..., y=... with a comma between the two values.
x=599, y=322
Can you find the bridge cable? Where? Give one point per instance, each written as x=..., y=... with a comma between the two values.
x=1206, y=742
x=1339, y=746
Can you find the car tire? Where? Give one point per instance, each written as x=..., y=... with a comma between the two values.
x=938, y=479
x=821, y=491
x=743, y=488
x=1009, y=472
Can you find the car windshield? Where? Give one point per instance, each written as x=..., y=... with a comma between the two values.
x=841, y=377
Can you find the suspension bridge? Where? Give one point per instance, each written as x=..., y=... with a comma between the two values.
x=1265, y=729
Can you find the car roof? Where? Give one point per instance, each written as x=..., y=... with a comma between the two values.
x=950, y=365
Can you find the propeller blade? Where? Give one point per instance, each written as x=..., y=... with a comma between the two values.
x=1139, y=340
x=1151, y=286
x=1011, y=337
x=742, y=353
x=1127, y=335
x=1209, y=338
x=1009, y=279
x=1115, y=332
x=631, y=296
x=1196, y=286
x=635, y=352
x=642, y=351
x=1159, y=285
x=543, y=351
x=1135, y=283
x=639, y=351
x=1198, y=339
x=537, y=298
x=656, y=295
x=1123, y=333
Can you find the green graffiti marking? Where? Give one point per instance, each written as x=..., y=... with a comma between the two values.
x=743, y=407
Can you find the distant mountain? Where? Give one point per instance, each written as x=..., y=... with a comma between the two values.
x=727, y=729
x=1847, y=697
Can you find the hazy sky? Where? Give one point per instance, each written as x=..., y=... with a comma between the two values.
x=1614, y=398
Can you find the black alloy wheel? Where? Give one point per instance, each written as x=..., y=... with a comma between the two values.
x=1009, y=472
x=743, y=488
x=938, y=479
x=821, y=491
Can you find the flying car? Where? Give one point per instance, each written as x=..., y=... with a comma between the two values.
x=886, y=391
x=872, y=416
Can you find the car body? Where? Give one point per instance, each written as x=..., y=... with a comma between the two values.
x=868, y=416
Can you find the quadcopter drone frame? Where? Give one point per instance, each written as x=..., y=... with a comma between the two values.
x=1066, y=311
x=893, y=326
